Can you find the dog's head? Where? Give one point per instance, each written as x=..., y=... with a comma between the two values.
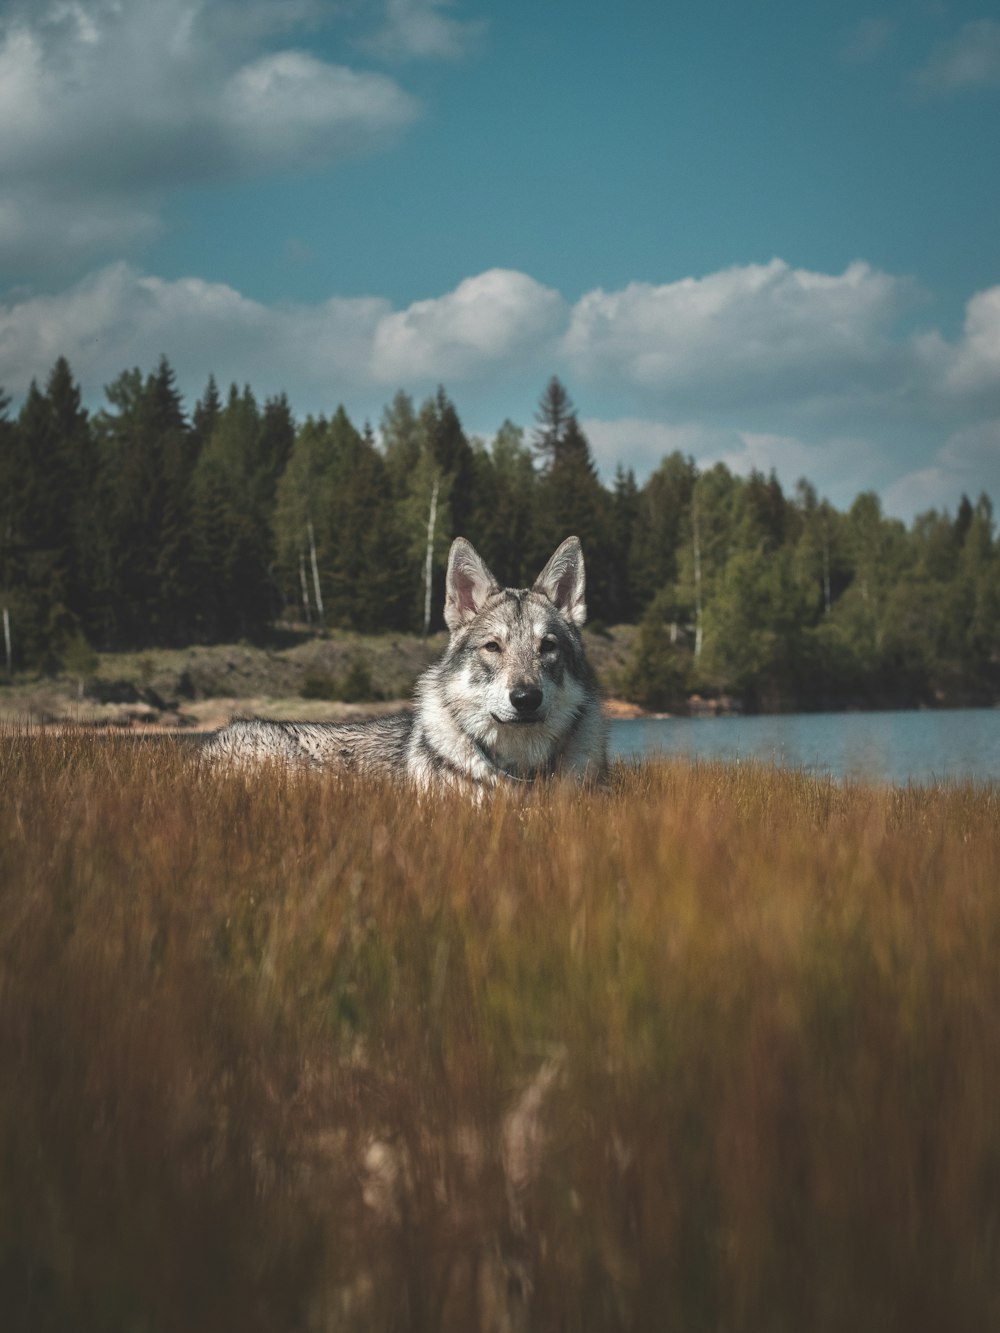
x=518, y=650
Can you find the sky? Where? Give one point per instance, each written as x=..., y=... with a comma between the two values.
x=766, y=234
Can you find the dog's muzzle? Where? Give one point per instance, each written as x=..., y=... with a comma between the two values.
x=527, y=699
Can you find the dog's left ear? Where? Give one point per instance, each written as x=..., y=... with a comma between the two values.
x=467, y=585
x=563, y=581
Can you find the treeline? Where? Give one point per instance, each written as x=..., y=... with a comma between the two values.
x=143, y=524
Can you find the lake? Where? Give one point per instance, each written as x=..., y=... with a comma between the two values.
x=896, y=747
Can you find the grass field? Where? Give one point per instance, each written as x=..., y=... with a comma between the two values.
x=718, y=1049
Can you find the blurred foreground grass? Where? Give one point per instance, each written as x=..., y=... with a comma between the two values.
x=716, y=1050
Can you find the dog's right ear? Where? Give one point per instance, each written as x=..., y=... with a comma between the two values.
x=468, y=585
x=564, y=582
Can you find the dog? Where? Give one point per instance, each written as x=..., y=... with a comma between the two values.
x=512, y=700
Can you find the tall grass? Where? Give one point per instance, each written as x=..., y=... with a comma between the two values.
x=717, y=1049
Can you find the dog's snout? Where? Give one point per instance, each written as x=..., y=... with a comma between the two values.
x=526, y=698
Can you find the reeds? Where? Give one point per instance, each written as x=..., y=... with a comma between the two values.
x=716, y=1049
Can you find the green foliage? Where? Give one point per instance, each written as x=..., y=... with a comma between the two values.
x=752, y=627
x=140, y=526
x=78, y=658
x=659, y=670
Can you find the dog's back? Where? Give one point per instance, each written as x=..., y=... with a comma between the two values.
x=376, y=745
x=513, y=698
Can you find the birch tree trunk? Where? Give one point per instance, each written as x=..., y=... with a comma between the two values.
x=429, y=560
x=315, y=570
x=305, y=588
x=697, y=580
x=6, y=641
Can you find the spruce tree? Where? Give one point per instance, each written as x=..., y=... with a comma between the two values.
x=571, y=500
x=556, y=417
x=232, y=528
x=400, y=442
x=43, y=526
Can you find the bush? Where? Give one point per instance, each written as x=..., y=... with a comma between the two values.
x=355, y=686
x=656, y=675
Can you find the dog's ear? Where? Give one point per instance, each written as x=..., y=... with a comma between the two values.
x=468, y=584
x=563, y=581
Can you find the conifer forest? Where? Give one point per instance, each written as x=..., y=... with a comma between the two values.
x=147, y=523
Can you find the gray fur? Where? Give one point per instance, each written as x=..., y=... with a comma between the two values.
x=512, y=699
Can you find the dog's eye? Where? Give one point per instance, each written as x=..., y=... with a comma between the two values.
x=492, y=647
x=549, y=646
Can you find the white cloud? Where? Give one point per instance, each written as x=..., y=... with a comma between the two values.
x=758, y=333
x=486, y=320
x=641, y=443
x=49, y=225
x=968, y=463
x=417, y=29
x=119, y=317
x=969, y=60
x=975, y=363
x=292, y=108
x=106, y=106
x=839, y=467
x=497, y=336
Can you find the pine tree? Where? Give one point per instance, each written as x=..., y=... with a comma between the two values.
x=661, y=528
x=9, y=529
x=205, y=417
x=366, y=559
x=176, y=572
x=400, y=442
x=556, y=416
x=624, y=517
x=233, y=552
x=43, y=527
x=299, y=504
x=571, y=500
x=451, y=454
x=274, y=445
x=504, y=522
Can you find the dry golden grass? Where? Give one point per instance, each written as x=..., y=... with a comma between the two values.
x=261, y=1037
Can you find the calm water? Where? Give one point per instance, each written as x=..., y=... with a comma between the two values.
x=891, y=747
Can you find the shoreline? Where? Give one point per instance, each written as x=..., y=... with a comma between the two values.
x=210, y=714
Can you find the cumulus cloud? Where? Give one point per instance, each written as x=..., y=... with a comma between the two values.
x=119, y=317
x=974, y=364
x=968, y=463
x=839, y=466
x=105, y=107
x=728, y=357
x=486, y=320
x=418, y=29
x=292, y=108
x=967, y=61
x=756, y=333
x=643, y=442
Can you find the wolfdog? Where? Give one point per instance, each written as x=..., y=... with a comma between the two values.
x=512, y=699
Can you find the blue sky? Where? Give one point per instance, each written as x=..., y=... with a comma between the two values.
x=768, y=234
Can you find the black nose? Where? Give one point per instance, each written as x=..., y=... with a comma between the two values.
x=526, y=698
